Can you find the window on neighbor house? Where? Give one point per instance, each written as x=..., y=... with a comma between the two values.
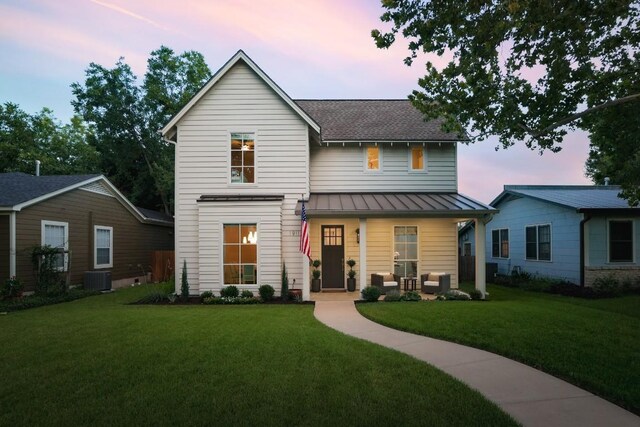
x=243, y=158
x=500, y=243
x=240, y=254
x=405, y=247
x=417, y=158
x=621, y=241
x=538, y=242
x=466, y=249
x=56, y=235
x=373, y=158
x=103, y=247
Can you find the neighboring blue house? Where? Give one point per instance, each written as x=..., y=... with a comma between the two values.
x=467, y=239
x=573, y=233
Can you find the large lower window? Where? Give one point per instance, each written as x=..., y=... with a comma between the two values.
x=243, y=158
x=621, y=241
x=56, y=235
x=405, y=246
x=538, y=242
x=103, y=247
x=240, y=254
x=500, y=243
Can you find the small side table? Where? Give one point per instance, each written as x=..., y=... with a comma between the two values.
x=409, y=282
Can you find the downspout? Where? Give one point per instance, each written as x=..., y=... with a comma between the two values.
x=12, y=244
x=586, y=218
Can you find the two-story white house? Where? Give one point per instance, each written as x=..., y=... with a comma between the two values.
x=378, y=181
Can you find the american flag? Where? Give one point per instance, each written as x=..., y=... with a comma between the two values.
x=305, y=247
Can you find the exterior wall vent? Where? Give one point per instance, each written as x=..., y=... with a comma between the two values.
x=97, y=187
x=97, y=280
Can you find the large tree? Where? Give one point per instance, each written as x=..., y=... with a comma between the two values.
x=523, y=70
x=126, y=118
x=62, y=149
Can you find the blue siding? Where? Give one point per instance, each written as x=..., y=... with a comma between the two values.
x=515, y=215
x=598, y=242
x=469, y=236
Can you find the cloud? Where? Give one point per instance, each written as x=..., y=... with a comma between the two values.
x=129, y=13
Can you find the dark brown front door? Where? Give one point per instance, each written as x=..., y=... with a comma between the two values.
x=333, y=256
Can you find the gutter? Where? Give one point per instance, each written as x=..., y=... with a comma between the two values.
x=586, y=218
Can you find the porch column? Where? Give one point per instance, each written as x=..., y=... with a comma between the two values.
x=12, y=245
x=363, y=253
x=306, y=287
x=481, y=284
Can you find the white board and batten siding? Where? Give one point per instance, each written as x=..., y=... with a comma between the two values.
x=338, y=169
x=239, y=102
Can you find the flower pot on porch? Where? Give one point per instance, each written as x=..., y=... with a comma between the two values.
x=351, y=285
x=315, y=285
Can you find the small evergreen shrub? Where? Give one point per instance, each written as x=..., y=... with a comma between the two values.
x=475, y=294
x=284, y=288
x=246, y=293
x=184, y=287
x=392, y=296
x=371, y=293
x=205, y=295
x=412, y=296
x=607, y=286
x=266, y=292
x=12, y=288
x=229, y=291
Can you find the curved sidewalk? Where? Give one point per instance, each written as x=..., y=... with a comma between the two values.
x=532, y=397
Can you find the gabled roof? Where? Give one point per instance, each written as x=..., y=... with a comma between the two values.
x=579, y=197
x=395, y=204
x=20, y=190
x=374, y=120
x=168, y=131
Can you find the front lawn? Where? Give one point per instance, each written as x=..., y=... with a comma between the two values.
x=594, y=344
x=99, y=361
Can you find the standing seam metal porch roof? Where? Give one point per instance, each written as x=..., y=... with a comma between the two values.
x=393, y=204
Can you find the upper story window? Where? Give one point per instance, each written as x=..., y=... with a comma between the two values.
x=621, y=241
x=56, y=235
x=417, y=159
x=500, y=243
x=538, y=242
x=243, y=149
x=372, y=160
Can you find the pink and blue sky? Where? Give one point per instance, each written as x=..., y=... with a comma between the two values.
x=311, y=48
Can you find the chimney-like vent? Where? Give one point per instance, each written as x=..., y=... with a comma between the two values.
x=606, y=180
x=37, y=167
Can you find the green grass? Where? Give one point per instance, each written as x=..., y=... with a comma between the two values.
x=594, y=344
x=99, y=361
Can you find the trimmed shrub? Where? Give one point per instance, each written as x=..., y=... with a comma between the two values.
x=412, y=296
x=184, y=287
x=246, y=293
x=12, y=288
x=205, y=294
x=475, y=294
x=392, y=296
x=266, y=292
x=457, y=295
x=284, y=288
x=607, y=286
x=371, y=293
x=33, y=301
x=231, y=301
x=229, y=291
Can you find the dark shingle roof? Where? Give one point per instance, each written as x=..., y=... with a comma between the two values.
x=18, y=187
x=570, y=196
x=384, y=204
x=155, y=215
x=373, y=120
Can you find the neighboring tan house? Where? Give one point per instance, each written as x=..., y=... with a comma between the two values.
x=572, y=233
x=378, y=181
x=84, y=215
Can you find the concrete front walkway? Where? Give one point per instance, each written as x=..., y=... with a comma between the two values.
x=532, y=397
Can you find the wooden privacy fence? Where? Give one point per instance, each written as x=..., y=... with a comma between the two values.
x=467, y=268
x=162, y=265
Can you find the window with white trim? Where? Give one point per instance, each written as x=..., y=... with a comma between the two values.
x=56, y=235
x=538, y=242
x=243, y=150
x=620, y=241
x=500, y=243
x=417, y=159
x=372, y=160
x=240, y=254
x=102, y=247
x=405, y=247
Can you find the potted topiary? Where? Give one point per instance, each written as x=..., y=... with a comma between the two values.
x=351, y=281
x=315, y=282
